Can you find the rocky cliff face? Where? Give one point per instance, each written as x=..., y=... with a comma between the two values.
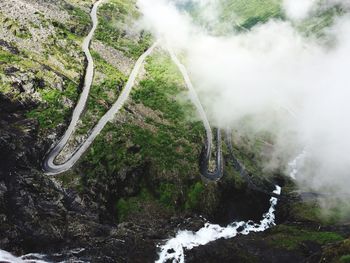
x=139, y=182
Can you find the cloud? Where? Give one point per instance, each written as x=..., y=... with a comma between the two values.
x=298, y=9
x=165, y=21
x=293, y=86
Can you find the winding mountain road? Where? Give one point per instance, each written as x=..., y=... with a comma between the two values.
x=194, y=98
x=205, y=158
x=52, y=168
x=204, y=165
x=49, y=165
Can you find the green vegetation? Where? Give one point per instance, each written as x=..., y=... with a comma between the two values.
x=311, y=211
x=4, y=88
x=8, y=58
x=249, y=13
x=159, y=91
x=125, y=207
x=194, y=195
x=18, y=30
x=169, y=195
x=103, y=93
x=231, y=176
x=115, y=22
x=80, y=21
x=247, y=152
x=158, y=132
x=53, y=112
x=315, y=25
x=170, y=146
x=337, y=252
x=345, y=259
x=56, y=50
x=235, y=15
x=306, y=211
x=290, y=237
x=53, y=73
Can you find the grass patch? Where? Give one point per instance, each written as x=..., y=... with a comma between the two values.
x=103, y=94
x=345, y=259
x=337, y=253
x=126, y=207
x=169, y=195
x=339, y=212
x=80, y=21
x=166, y=139
x=53, y=112
x=7, y=57
x=315, y=25
x=248, y=13
x=306, y=211
x=290, y=237
x=115, y=20
x=160, y=90
x=194, y=196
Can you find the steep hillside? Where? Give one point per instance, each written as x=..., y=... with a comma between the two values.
x=139, y=182
x=143, y=168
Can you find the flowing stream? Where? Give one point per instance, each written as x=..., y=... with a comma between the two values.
x=296, y=163
x=6, y=257
x=71, y=256
x=174, y=249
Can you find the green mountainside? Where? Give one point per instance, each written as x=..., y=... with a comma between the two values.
x=140, y=179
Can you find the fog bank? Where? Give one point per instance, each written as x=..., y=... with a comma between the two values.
x=272, y=78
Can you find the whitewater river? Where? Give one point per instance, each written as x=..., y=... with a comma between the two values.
x=174, y=248
x=6, y=257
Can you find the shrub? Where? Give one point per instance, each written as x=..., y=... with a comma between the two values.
x=345, y=259
x=194, y=195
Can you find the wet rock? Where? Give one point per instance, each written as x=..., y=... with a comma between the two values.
x=10, y=70
x=243, y=249
x=39, y=215
x=11, y=48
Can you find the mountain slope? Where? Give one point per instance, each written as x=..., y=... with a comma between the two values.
x=139, y=182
